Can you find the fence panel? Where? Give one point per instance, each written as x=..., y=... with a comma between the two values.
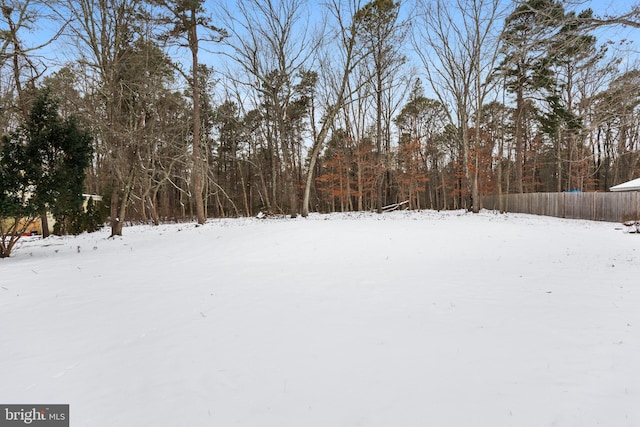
x=613, y=207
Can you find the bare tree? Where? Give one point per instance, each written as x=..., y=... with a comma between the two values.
x=355, y=120
x=271, y=45
x=457, y=44
x=629, y=18
x=103, y=32
x=17, y=19
x=346, y=34
x=381, y=34
x=184, y=19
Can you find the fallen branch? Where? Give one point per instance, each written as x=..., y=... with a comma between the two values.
x=393, y=207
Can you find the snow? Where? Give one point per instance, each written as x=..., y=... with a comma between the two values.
x=401, y=319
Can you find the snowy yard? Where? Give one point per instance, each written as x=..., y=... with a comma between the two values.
x=403, y=319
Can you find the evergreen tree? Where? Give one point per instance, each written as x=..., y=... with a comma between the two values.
x=42, y=168
x=93, y=217
x=17, y=209
x=59, y=153
x=529, y=33
x=184, y=19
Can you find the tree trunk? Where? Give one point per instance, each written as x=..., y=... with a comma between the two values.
x=519, y=137
x=379, y=157
x=44, y=222
x=116, y=224
x=198, y=172
x=315, y=152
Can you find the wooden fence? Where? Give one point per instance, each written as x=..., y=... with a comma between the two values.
x=612, y=207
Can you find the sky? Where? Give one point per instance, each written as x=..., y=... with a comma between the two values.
x=605, y=8
x=621, y=42
x=56, y=53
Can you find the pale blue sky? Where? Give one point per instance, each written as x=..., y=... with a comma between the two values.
x=55, y=55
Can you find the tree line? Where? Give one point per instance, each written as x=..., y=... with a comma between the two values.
x=200, y=109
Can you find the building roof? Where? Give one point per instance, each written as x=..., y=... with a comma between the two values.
x=95, y=197
x=633, y=185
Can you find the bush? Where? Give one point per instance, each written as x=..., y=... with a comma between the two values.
x=90, y=219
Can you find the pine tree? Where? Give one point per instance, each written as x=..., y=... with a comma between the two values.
x=530, y=31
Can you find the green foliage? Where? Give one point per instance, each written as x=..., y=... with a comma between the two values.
x=88, y=219
x=61, y=152
x=179, y=17
x=15, y=179
x=380, y=32
x=377, y=14
x=42, y=168
x=94, y=216
x=420, y=115
x=529, y=33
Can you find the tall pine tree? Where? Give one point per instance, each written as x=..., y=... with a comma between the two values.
x=528, y=35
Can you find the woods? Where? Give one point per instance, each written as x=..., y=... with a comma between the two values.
x=201, y=109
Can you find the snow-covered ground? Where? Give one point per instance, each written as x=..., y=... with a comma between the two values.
x=401, y=319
